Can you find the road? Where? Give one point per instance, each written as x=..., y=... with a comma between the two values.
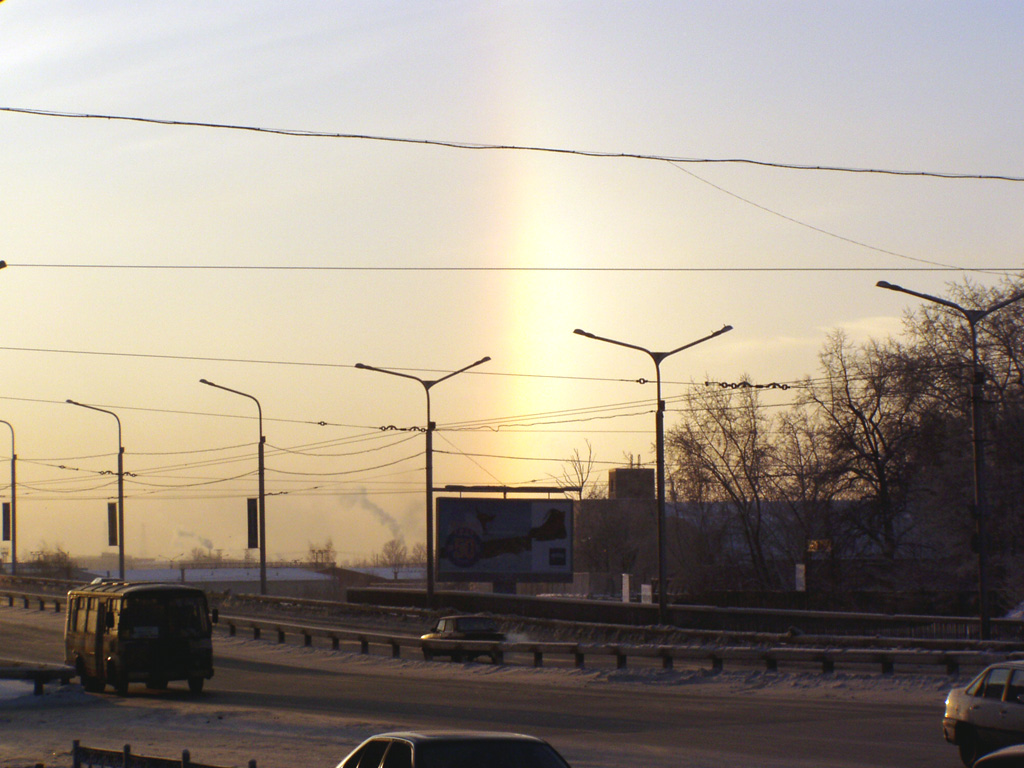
x=287, y=705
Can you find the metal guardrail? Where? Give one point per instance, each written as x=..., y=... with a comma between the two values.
x=28, y=598
x=39, y=674
x=90, y=757
x=826, y=655
x=712, y=647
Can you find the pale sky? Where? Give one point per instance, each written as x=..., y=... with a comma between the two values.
x=101, y=218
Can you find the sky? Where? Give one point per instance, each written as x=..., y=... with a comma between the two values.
x=144, y=256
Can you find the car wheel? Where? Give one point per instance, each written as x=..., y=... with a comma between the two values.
x=968, y=747
x=195, y=685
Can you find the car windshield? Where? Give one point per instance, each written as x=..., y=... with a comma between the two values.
x=491, y=753
x=475, y=624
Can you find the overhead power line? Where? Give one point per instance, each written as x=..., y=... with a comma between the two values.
x=590, y=269
x=452, y=144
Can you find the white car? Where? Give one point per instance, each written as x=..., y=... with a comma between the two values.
x=988, y=713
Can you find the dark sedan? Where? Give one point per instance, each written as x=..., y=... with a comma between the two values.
x=453, y=749
x=471, y=628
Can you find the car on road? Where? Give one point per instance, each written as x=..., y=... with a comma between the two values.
x=988, y=713
x=1007, y=757
x=467, y=627
x=453, y=749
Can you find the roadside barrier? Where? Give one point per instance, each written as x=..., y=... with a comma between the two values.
x=769, y=652
x=39, y=674
x=90, y=757
x=715, y=648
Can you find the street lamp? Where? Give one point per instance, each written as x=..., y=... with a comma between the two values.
x=262, y=508
x=427, y=384
x=973, y=317
x=14, y=498
x=120, y=484
x=659, y=428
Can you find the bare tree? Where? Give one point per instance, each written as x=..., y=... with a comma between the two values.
x=394, y=555
x=577, y=475
x=723, y=447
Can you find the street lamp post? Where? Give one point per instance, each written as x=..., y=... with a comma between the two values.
x=262, y=509
x=14, y=503
x=427, y=384
x=120, y=484
x=973, y=317
x=659, y=438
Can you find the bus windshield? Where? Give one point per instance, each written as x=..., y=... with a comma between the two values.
x=165, y=615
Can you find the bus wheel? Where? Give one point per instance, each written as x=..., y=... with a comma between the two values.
x=92, y=684
x=119, y=681
x=195, y=685
x=89, y=683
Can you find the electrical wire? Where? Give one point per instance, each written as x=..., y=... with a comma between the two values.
x=451, y=144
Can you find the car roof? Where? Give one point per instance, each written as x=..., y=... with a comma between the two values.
x=421, y=737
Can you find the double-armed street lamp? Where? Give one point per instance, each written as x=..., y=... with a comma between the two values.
x=973, y=317
x=659, y=427
x=120, y=484
x=14, y=499
x=427, y=384
x=262, y=509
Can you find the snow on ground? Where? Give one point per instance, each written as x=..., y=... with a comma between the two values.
x=40, y=729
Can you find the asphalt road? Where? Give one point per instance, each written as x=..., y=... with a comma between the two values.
x=594, y=720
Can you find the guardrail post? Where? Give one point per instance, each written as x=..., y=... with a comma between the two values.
x=364, y=646
x=952, y=666
x=42, y=603
x=396, y=651
x=126, y=756
x=252, y=764
x=255, y=633
x=888, y=666
x=10, y=601
x=231, y=629
x=37, y=688
x=56, y=606
x=307, y=639
x=666, y=661
x=335, y=642
x=716, y=663
x=538, y=658
x=25, y=602
x=75, y=759
x=620, y=659
x=185, y=758
x=578, y=656
x=280, y=635
x=828, y=665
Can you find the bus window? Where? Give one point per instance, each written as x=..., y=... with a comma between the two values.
x=90, y=615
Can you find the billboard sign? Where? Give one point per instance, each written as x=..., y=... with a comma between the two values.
x=482, y=539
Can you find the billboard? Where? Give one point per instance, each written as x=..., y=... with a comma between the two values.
x=504, y=539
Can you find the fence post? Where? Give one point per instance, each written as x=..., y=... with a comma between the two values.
x=75, y=760
x=126, y=756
